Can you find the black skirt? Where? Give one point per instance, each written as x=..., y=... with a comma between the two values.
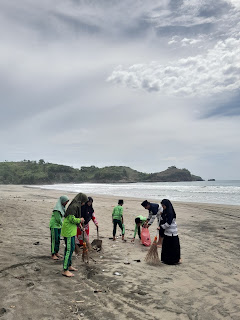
x=170, y=250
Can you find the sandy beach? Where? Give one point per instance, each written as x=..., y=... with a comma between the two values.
x=206, y=286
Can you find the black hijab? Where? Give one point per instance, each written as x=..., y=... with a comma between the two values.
x=169, y=208
x=87, y=211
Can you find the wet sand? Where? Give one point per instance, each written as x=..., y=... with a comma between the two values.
x=206, y=286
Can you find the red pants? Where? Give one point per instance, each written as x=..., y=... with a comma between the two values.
x=79, y=236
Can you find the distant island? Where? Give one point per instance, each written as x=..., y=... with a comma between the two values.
x=41, y=172
x=211, y=179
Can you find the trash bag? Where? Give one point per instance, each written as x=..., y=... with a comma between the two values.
x=145, y=237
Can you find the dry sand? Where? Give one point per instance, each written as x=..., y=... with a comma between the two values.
x=205, y=286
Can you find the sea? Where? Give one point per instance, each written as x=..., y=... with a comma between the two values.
x=215, y=192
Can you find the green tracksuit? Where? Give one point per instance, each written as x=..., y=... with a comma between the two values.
x=55, y=225
x=117, y=217
x=69, y=231
x=137, y=228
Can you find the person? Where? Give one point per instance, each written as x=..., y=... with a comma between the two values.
x=87, y=213
x=171, y=246
x=55, y=226
x=154, y=211
x=139, y=221
x=117, y=219
x=69, y=231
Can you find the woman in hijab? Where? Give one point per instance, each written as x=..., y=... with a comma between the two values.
x=171, y=245
x=88, y=214
x=69, y=231
x=55, y=225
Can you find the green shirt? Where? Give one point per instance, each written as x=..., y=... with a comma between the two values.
x=143, y=220
x=56, y=220
x=117, y=213
x=69, y=227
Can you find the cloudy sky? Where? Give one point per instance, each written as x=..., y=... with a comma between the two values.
x=146, y=84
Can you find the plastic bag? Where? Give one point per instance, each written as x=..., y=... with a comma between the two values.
x=145, y=237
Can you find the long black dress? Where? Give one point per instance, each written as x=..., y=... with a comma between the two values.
x=171, y=252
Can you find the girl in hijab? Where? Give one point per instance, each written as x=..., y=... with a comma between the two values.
x=69, y=231
x=171, y=245
x=55, y=225
x=88, y=214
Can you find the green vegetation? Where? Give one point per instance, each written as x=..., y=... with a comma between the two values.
x=32, y=172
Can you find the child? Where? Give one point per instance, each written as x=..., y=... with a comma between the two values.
x=55, y=225
x=88, y=214
x=69, y=231
x=139, y=221
x=117, y=218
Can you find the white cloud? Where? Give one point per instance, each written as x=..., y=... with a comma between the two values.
x=214, y=72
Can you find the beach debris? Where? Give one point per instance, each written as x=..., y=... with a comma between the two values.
x=20, y=277
x=36, y=243
x=140, y=292
x=97, y=290
x=37, y=269
x=137, y=260
x=152, y=255
x=117, y=273
x=126, y=262
x=2, y=311
x=30, y=284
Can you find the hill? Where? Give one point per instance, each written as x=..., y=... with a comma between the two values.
x=32, y=172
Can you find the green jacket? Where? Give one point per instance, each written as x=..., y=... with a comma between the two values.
x=117, y=213
x=69, y=227
x=143, y=220
x=56, y=220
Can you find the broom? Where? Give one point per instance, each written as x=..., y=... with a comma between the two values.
x=152, y=255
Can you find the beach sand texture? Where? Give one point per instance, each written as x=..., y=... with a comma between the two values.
x=206, y=286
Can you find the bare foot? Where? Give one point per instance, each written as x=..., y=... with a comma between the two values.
x=114, y=238
x=67, y=273
x=59, y=255
x=72, y=269
x=180, y=261
x=55, y=257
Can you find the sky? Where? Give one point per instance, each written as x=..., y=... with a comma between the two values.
x=144, y=84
